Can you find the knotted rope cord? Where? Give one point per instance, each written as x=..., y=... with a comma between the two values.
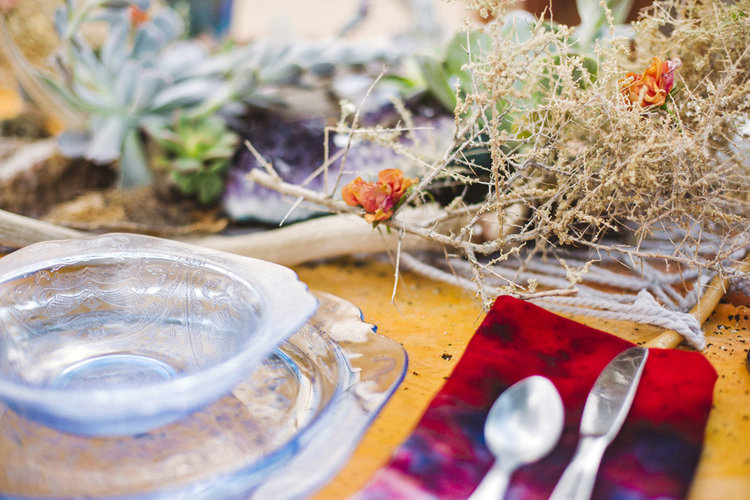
x=638, y=308
x=669, y=312
x=644, y=309
x=740, y=285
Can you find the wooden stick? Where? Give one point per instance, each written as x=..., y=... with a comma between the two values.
x=17, y=231
x=715, y=290
x=325, y=237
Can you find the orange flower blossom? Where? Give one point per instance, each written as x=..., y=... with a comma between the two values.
x=650, y=88
x=138, y=16
x=380, y=197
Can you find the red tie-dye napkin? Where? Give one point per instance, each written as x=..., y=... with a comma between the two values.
x=654, y=455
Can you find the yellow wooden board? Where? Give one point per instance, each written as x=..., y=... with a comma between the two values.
x=434, y=322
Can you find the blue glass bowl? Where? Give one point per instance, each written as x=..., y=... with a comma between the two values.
x=119, y=334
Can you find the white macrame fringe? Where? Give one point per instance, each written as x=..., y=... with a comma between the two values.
x=640, y=308
x=650, y=298
x=645, y=310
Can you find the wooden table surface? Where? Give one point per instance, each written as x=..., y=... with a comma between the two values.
x=435, y=321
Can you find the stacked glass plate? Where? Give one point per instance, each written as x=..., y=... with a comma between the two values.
x=283, y=427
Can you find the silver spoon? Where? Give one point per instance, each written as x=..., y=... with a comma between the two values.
x=522, y=426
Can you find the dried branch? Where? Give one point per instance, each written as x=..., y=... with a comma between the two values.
x=17, y=231
x=573, y=162
x=322, y=238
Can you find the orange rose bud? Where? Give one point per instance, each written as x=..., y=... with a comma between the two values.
x=377, y=198
x=650, y=88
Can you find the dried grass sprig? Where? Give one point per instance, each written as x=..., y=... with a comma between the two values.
x=575, y=161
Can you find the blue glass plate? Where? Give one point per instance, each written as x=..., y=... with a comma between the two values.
x=281, y=433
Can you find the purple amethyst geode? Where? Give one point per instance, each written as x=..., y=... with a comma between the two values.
x=296, y=150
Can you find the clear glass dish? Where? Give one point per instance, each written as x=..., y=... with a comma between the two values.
x=281, y=434
x=121, y=333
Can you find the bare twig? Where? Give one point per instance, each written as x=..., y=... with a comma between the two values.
x=267, y=166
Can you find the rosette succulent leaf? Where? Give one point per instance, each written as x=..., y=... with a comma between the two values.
x=195, y=154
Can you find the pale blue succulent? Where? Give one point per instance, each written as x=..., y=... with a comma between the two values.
x=145, y=73
x=141, y=73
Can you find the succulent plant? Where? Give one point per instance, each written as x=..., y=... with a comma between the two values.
x=195, y=154
x=596, y=17
x=445, y=75
x=145, y=70
x=141, y=74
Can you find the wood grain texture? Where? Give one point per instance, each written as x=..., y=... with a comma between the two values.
x=724, y=469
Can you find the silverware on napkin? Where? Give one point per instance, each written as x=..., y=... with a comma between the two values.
x=606, y=407
x=522, y=426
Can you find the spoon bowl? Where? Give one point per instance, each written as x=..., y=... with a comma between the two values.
x=523, y=425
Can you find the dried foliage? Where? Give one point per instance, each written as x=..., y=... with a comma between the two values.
x=577, y=162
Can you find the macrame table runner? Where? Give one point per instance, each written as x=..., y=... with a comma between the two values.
x=616, y=285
